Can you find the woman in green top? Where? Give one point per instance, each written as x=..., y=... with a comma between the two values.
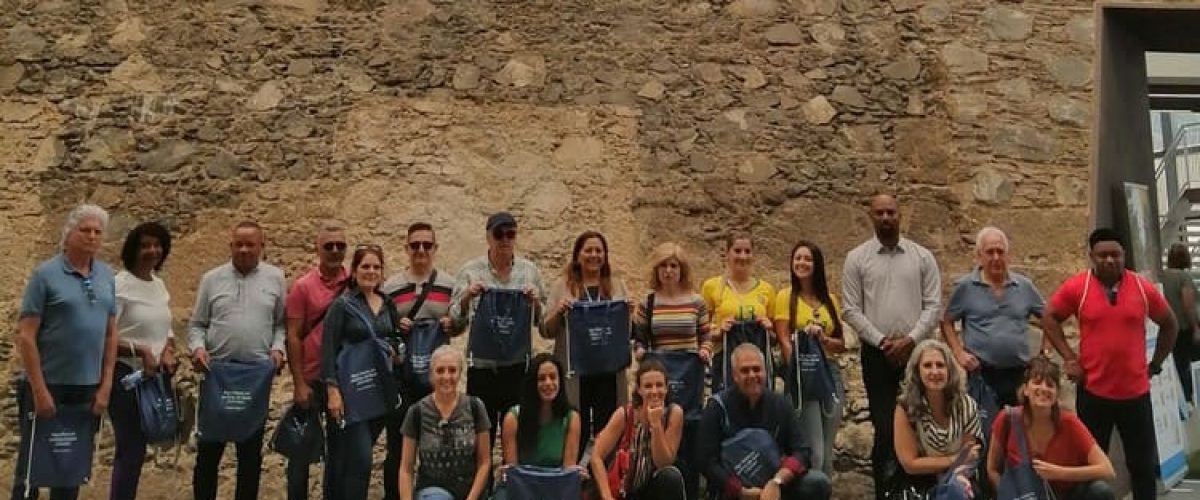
x=547, y=432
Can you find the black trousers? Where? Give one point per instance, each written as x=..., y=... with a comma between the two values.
x=1182, y=354
x=249, y=468
x=882, y=381
x=1004, y=382
x=395, y=441
x=597, y=403
x=498, y=388
x=1134, y=419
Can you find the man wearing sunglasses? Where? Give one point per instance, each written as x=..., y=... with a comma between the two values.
x=238, y=316
x=67, y=334
x=422, y=294
x=307, y=301
x=500, y=268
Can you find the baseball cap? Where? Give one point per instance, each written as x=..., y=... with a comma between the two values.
x=500, y=219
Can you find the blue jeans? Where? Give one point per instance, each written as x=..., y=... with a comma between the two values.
x=62, y=394
x=813, y=485
x=353, y=457
x=434, y=493
x=1091, y=490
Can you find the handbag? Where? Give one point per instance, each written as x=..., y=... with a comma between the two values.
x=597, y=337
x=621, y=464
x=752, y=453
x=364, y=374
x=299, y=435
x=157, y=410
x=234, y=400
x=60, y=448
x=1020, y=482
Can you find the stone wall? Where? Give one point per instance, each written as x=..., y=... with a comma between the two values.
x=648, y=120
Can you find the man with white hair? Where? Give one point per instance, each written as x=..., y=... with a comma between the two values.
x=994, y=306
x=67, y=335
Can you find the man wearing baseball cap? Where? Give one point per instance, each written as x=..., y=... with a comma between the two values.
x=500, y=268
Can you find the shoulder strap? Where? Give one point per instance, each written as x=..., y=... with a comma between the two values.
x=1087, y=282
x=792, y=310
x=1145, y=302
x=650, y=320
x=321, y=317
x=1015, y=424
x=416, y=307
x=362, y=316
x=627, y=435
x=725, y=425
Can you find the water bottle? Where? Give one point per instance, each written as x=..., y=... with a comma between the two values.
x=132, y=380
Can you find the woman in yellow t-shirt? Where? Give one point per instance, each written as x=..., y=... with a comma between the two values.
x=735, y=296
x=812, y=310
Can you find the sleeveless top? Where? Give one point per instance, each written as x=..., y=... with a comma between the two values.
x=936, y=440
x=551, y=439
x=639, y=448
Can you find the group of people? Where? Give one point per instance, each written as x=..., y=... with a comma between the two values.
x=82, y=329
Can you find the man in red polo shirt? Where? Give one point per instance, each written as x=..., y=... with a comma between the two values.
x=306, y=303
x=1111, y=304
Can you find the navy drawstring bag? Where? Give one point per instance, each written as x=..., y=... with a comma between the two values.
x=598, y=337
x=157, y=409
x=813, y=380
x=532, y=482
x=425, y=336
x=685, y=379
x=299, y=435
x=1020, y=482
x=751, y=453
x=364, y=375
x=502, y=328
x=234, y=399
x=60, y=448
x=747, y=332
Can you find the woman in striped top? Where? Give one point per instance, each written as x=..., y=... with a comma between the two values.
x=935, y=418
x=674, y=318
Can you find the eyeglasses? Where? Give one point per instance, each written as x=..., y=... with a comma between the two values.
x=331, y=246
x=421, y=245
x=500, y=234
x=91, y=290
x=368, y=246
x=444, y=430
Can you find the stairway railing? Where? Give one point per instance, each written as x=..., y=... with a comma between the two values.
x=1177, y=171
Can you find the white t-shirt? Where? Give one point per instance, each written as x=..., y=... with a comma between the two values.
x=143, y=314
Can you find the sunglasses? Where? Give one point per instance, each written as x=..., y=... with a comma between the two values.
x=330, y=246
x=421, y=246
x=368, y=246
x=90, y=289
x=505, y=234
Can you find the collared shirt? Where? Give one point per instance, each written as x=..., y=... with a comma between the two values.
x=239, y=316
x=479, y=270
x=74, y=311
x=891, y=291
x=310, y=296
x=996, y=329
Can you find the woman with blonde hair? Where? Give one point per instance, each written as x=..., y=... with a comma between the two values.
x=672, y=325
x=935, y=420
x=737, y=299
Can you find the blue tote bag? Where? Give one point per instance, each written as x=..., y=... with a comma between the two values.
x=812, y=378
x=751, y=453
x=364, y=374
x=533, y=482
x=685, y=380
x=1020, y=482
x=743, y=332
x=425, y=336
x=157, y=410
x=598, y=337
x=234, y=399
x=502, y=328
x=60, y=448
x=299, y=436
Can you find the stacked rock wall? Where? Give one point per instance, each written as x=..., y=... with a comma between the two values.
x=647, y=120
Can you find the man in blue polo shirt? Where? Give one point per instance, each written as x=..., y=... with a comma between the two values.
x=67, y=334
x=994, y=306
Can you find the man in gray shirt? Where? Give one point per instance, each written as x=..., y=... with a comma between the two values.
x=238, y=316
x=994, y=306
x=891, y=291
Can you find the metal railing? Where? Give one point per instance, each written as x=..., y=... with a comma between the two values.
x=1178, y=170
